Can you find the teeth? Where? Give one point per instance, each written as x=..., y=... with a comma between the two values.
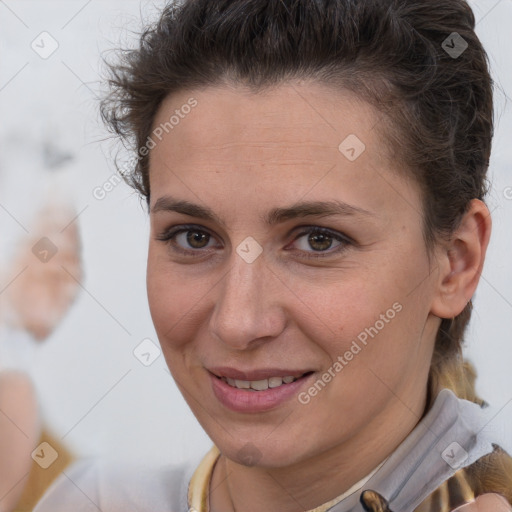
x=259, y=385
x=274, y=382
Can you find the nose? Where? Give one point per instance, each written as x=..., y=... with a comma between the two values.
x=247, y=312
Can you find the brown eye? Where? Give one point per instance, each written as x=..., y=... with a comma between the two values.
x=320, y=240
x=197, y=239
x=186, y=239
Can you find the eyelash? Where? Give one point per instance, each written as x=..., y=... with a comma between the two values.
x=169, y=236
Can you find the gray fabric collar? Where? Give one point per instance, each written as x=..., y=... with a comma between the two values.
x=417, y=467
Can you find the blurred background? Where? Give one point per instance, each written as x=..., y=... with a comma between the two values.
x=102, y=386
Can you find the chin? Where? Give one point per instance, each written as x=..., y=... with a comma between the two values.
x=262, y=453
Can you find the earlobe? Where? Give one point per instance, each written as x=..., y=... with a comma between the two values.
x=461, y=261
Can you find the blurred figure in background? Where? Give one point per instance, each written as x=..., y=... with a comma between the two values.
x=36, y=290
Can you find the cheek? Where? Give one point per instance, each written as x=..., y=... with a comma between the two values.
x=373, y=310
x=176, y=297
x=167, y=302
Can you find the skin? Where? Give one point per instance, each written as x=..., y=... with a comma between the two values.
x=487, y=502
x=241, y=155
x=52, y=284
x=19, y=432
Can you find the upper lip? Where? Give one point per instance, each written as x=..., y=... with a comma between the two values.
x=257, y=374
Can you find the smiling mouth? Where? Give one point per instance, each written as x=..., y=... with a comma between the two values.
x=262, y=385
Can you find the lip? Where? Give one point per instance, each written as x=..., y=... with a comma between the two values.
x=246, y=401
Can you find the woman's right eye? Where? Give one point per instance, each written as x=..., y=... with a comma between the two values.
x=186, y=239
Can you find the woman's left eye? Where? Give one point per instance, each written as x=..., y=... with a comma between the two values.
x=321, y=240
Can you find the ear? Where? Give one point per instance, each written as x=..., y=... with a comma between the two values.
x=461, y=261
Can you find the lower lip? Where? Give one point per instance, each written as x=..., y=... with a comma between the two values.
x=243, y=400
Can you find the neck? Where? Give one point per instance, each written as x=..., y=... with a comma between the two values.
x=311, y=482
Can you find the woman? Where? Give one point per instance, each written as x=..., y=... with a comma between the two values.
x=37, y=274
x=315, y=174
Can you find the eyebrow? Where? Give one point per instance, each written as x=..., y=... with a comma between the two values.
x=273, y=217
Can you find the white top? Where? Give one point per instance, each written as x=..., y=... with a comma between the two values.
x=406, y=478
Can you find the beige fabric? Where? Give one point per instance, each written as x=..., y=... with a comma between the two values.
x=39, y=479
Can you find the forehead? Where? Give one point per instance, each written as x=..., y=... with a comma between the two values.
x=292, y=136
x=297, y=114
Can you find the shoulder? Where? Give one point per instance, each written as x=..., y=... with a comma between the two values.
x=75, y=489
x=92, y=485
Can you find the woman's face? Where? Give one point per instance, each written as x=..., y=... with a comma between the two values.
x=297, y=250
